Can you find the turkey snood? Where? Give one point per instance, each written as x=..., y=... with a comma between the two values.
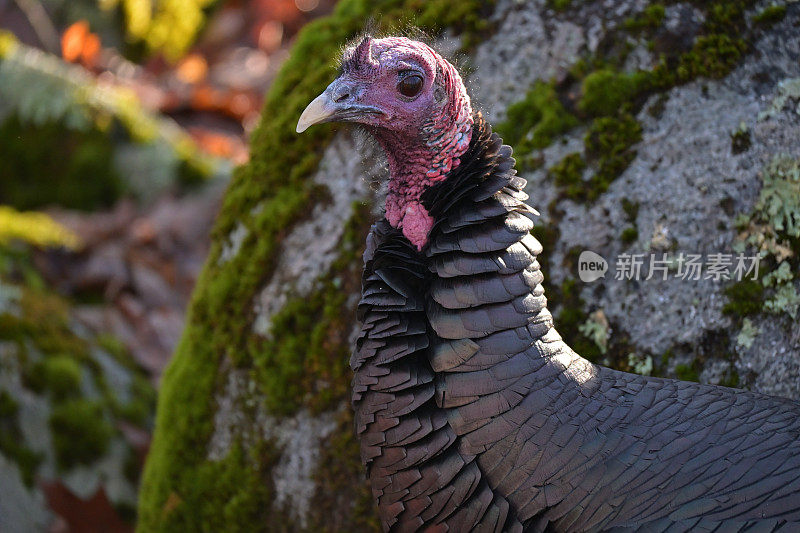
x=472, y=413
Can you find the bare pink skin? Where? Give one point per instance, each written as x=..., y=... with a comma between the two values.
x=423, y=136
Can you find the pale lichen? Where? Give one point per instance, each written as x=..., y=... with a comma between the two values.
x=788, y=93
x=641, y=364
x=773, y=230
x=748, y=334
x=597, y=329
x=779, y=200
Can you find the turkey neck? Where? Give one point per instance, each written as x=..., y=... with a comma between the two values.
x=481, y=254
x=450, y=334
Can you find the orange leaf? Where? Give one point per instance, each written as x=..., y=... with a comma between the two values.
x=72, y=41
x=91, y=49
x=192, y=69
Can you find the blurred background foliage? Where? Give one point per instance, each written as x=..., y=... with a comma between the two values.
x=120, y=123
x=167, y=26
x=109, y=132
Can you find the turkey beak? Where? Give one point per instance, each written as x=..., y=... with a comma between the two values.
x=339, y=102
x=321, y=109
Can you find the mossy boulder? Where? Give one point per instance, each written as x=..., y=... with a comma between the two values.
x=257, y=391
x=61, y=418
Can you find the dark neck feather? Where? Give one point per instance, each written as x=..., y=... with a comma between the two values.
x=478, y=167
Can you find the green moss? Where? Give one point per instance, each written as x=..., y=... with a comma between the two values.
x=715, y=52
x=713, y=56
x=304, y=362
x=770, y=15
x=629, y=235
x=613, y=97
x=116, y=348
x=740, y=139
x=231, y=495
x=267, y=196
x=141, y=406
x=730, y=378
x=43, y=324
x=651, y=18
x=687, y=373
x=8, y=406
x=343, y=500
x=745, y=298
x=536, y=120
x=571, y=318
x=608, y=144
x=666, y=356
x=631, y=209
x=60, y=375
x=559, y=5
x=54, y=361
x=612, y=136
x=81, y=432
x=12, y=444
x=568, y=174
x=726, y=16
x=43, y=166
x=606, y=92
x=296, y=366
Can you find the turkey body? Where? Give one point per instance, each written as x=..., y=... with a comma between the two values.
x=474, y=415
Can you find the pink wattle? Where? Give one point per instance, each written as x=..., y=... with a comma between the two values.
x=416, y=224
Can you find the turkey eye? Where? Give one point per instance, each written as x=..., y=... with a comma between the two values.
x=410, y=85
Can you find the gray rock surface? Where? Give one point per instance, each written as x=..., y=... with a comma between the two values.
x=346, y=170
x=689, y=185
x=687, y=181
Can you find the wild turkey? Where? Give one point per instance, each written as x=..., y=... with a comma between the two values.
x=471, y=411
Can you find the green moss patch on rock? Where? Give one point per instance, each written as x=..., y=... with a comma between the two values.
x=770, y=15
x=687, y=372
x=11, y=442
x=607, y=92
x=559, y=5
x=601, y=95
x=239, y=501
x=59, y=375
x=81, y=433
x=608, y=144
x=536, y=120
x=42, y=166
x=343, y=499
x=610, y=97
x=651, y=18
x=52, y=364
x=266, y=198
x=745, y=298
x=629, y=235
x=304, y=362
x=568, y=174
